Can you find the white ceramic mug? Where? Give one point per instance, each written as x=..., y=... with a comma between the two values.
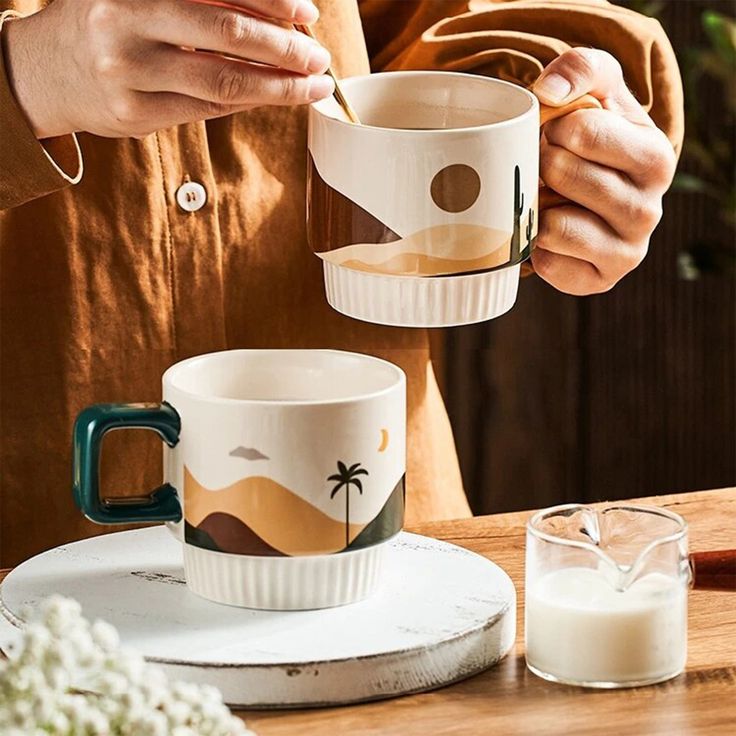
x=423, y=214
x=284, y=472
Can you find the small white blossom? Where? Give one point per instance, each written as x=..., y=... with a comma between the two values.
x=105, y=636
x=69, y=678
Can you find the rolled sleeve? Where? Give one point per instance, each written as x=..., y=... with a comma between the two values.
x=30, y=168
x=516, y=39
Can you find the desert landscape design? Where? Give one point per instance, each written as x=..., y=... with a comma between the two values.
x=258, y=516
x=345, y=234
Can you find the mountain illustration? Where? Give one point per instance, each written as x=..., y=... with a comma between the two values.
x=258, y=516
x=224, y=533
x=433, y=251
x=275, y=514
x=386, y=523
x=346, y=223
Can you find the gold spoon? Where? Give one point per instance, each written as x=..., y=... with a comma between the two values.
x=339, y=96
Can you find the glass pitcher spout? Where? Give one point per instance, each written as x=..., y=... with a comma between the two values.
x=623, y=542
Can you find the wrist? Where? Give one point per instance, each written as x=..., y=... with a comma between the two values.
x=26, y=56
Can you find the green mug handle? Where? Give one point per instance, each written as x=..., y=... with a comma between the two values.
x=90, y=427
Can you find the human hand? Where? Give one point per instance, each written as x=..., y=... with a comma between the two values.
x=612, y=165
x=121, y=68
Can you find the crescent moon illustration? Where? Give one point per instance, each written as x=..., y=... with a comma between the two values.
x=384, y=440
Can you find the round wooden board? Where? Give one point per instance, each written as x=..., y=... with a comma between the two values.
x=442, y=613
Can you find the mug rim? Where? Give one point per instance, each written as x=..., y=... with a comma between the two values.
x=168, y=379
x=346, y=82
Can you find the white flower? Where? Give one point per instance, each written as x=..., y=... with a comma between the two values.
x=105, y=636
x=70, y=678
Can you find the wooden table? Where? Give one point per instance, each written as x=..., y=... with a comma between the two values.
x=508, y=700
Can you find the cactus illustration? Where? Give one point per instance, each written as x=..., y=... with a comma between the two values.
x=518, y=209
x=529, y=229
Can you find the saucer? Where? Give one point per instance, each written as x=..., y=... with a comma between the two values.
x=441, y=614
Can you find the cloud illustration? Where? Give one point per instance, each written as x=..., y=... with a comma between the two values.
x=248, y=453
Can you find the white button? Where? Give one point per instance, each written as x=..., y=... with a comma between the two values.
x=191, y=196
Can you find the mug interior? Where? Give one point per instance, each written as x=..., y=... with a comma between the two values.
x=429, y=100
x=286, y=376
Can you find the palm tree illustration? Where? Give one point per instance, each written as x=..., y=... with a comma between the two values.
x=344, y=478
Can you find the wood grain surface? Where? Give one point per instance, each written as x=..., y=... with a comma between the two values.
x=510, y=700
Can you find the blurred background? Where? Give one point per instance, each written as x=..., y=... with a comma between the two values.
x=633, y=392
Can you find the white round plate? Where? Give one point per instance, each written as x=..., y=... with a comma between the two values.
x=441, y=614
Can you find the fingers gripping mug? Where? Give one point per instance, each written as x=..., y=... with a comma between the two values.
x=423, y=214
x=284, y=472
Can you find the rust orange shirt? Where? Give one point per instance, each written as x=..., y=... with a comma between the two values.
x=105, y=280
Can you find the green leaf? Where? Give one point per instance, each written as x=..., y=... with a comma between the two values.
x=652, y=8
x=687, y=269
x=685, y=182
x=688, y=182
x=721, y=32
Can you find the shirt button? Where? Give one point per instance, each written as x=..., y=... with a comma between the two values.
x=191, y=196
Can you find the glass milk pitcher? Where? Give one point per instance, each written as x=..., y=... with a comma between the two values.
x=606, y=595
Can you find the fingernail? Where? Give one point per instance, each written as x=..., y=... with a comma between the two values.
x=306, y=12
x=553, y=88
x=318, y=59
x=320, y=87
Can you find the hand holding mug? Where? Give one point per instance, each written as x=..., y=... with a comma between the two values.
x=423, y=214
x=612, y=165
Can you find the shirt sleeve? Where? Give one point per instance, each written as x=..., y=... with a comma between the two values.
x=515, y=39
x=30, y=168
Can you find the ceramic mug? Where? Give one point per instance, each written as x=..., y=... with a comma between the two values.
x=423, y=214
x=283, y=472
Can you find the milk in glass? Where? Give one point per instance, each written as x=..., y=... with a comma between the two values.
x=580, y=629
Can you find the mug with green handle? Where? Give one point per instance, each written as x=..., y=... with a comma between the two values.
x=283, y=469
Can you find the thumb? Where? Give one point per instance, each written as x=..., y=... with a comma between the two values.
x=582, y=71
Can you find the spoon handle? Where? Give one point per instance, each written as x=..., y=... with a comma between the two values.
x=715, y=570
x=338, y=93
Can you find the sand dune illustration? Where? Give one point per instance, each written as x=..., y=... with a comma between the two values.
x=278, y=516
x=224, y=533
x=437, y=250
